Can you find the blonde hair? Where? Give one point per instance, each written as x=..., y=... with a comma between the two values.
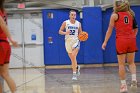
x=131, y=11
x=122, y=6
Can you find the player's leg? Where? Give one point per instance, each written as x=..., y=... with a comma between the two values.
x=130, y=59
x=76, y=47
x=69, y=51
x=132, y=67
x=5, y=74
x=1, y=86
x=74, y=53
x=2, y=55
x=72, y=62
x=122, y=74
x=5, y=67
x=121, y=47
x=74, y=65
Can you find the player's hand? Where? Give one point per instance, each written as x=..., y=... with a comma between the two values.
x=14, y=43
x=81, y=32
x=104, y=46
x=67, y=32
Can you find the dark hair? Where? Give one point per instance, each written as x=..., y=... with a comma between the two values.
x=2, y=5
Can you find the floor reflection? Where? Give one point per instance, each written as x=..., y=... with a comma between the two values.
x=76, y=88
x=91, y=80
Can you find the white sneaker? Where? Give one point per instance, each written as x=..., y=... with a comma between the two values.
x=123, y=88
x=78, y=70
x=133, y=85
x=74, y=77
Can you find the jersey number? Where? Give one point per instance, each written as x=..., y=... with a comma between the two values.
x=126, y=20
x=72, y=32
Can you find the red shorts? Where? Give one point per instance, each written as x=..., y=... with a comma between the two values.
x=5, y=52
x=126, y=45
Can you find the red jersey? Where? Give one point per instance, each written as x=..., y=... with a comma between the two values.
x=2, y=34
x=124, y=25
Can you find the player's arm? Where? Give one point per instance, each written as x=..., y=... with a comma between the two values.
x=111, y=26
x=4, y=28
x=62, y=28
x=6, y=31
x=80, y=28
x=135, y=26
x=113, y=18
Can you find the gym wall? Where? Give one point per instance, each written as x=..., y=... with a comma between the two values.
x=95, y=22
x=136, y=9
x=92, y=23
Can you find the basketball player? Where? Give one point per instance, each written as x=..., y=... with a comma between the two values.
x=72, y=28
x=123, y=19
x=5, y=49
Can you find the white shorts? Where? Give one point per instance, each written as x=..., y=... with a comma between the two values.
x=71, y=44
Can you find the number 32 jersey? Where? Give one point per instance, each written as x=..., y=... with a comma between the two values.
x=124, y=25
x=73, y=28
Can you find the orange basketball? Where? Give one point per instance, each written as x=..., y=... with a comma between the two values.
x=83, y=36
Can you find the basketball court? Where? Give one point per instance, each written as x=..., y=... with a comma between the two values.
x=41, y=64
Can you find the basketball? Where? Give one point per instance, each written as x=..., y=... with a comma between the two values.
x=83, y=36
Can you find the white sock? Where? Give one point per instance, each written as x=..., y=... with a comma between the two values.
x=123, y=82
x=74, y=72
x=134, y=77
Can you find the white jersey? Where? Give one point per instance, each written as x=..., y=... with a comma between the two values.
x=73, y=28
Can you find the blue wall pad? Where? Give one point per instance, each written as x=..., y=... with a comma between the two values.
x=50, y=28
x=92, y=23
x=136, y=9
x=110, y=55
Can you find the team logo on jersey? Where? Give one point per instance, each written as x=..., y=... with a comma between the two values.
x=72, y=27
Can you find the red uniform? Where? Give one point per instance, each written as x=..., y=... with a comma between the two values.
x=125, y=37
x=5, y=49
